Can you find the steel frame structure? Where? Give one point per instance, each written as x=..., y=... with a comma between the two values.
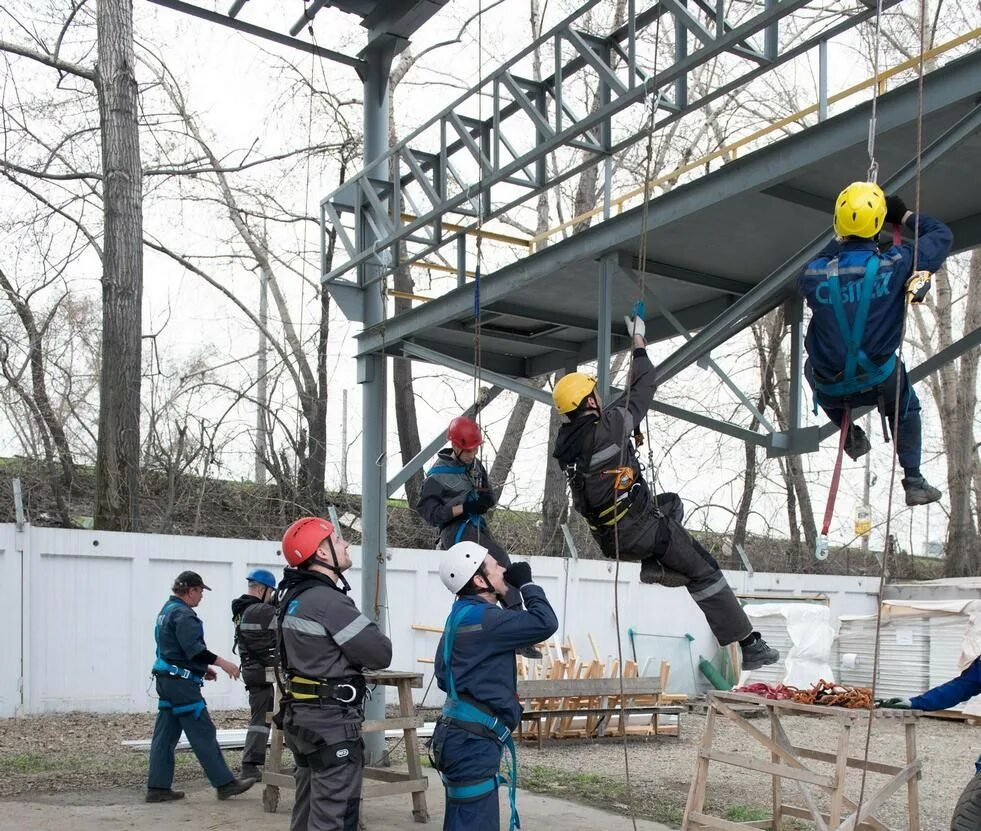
x=453, y=162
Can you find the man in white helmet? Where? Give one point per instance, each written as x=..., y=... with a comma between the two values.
x=475, y=666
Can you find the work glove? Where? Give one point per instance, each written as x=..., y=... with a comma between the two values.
x=893, y=706
x=479, y=502
x=635, y=326
x=895, y=210
x=517, y=574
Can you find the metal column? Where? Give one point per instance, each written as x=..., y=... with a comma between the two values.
x=373, y=377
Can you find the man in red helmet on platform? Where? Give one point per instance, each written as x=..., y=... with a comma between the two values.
x=457, y=494
x=325, y=643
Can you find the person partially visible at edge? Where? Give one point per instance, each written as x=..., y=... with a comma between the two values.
x=944, y=696
x=325, y=644
x=857, y=297
x=255, y=639
x=456, y=496
x=182, y=666
x=596, y=451
x=475, y=666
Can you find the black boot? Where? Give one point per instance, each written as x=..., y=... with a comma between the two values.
x=234, y=788
x=163, y=795
x=758, y=653
x=652, y=571
x=857, y=444
x=919, y=491
x=250, y=771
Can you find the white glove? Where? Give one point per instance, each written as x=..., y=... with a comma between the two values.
x=635, y=325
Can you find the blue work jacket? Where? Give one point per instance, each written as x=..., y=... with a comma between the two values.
x=964, y=686
x=180, y=636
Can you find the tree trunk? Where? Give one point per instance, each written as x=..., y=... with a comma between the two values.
x=117, y=498
x=406, y=420
x=507, y=450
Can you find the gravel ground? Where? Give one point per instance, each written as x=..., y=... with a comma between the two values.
x=81, y=752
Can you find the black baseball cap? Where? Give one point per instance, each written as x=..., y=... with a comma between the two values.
x=190, y=580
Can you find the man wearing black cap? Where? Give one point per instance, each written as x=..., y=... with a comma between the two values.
x=182, y=666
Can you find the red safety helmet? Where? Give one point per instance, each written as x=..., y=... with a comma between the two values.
x=465, y=433
x=304, y=537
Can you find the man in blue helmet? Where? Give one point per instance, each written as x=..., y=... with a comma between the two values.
x=255, y=640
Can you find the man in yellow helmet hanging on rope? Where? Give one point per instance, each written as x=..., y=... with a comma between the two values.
x=595, y=451
x=857, y=297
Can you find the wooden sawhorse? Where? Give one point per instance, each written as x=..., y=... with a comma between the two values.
x=785, y=763
x=378, y=781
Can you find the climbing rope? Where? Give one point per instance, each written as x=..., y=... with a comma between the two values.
x=480, y=223
x=637, y=311
x=873, y=173
x=887, y=548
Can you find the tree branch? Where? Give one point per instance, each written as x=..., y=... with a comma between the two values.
x=48, y=60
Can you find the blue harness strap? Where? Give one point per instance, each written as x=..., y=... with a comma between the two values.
x=477, y=522
x=435, y=469
x=196, y=708
x=872, y=374
x=160, y=666
x=460, y=711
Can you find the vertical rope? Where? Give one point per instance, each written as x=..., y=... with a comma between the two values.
x=873, y=174
x=887, y=548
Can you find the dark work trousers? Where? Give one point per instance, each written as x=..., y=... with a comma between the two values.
x=909, y=429
x=708, y=587
x=646, y=533
x=198, y=728
x=328, y=799
x=450, y=534
x=467, y=758
x=257, y=737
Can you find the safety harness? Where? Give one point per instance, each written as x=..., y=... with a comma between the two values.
x=468, y=716
x=162, y=667
x=348, y=691
x=626, y=488
x=852, y=381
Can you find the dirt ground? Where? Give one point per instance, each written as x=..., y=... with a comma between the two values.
x=80, y=754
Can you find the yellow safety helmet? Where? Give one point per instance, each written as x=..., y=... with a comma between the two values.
x=860, y=210
x=571, y=389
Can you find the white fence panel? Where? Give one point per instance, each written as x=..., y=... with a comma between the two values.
x=10, y=620
x=91, y=599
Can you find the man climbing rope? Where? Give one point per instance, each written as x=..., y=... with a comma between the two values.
x=624, y=517
x=857, y=297
x=457, y=494
x=325, y=643
x=475, y=666
x=255, y=639
x=182, y=666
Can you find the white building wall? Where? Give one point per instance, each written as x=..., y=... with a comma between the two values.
x=86, y=612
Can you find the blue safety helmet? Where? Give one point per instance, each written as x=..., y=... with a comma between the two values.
x=260, y=575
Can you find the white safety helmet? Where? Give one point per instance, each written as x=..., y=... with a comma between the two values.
x=460, y=562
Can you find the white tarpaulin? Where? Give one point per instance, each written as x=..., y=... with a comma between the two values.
x=971, y=646
x=811, y=636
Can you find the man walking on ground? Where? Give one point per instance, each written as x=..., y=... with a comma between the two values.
x=325, y=644
x=595, y=451
x=182, y=666
x=255, y=639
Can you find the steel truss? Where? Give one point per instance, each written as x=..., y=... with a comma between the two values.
x=455, y=163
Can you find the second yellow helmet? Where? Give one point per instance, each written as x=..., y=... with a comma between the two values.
x=571, y=389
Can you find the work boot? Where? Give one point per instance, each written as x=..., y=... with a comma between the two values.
x=919, y=491
x=251, y=771
x=759, y=653
x=653, y=571
x=234, y=788
x=163, y=795
x=857, y=444
x=530, y=652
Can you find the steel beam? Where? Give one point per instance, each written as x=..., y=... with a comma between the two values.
x=622, y=94
x=259, y=32
x=604, y=323
x=427, y=452
x=654, y=268
x=413, y=350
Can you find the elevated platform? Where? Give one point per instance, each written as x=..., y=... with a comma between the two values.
x=722, y=250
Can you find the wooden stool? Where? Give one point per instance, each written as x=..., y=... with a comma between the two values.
x=378, y=781
x=785, y=763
